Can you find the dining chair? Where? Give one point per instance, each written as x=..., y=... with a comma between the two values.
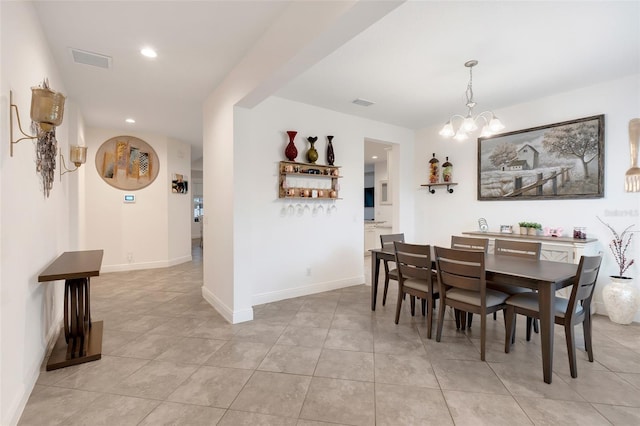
x=462, y=285
x=467, y=243
x=568, y=312
x=522, y=249
x=386, y=242
x=415, y=278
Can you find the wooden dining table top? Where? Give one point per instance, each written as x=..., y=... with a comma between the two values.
x=530, y=269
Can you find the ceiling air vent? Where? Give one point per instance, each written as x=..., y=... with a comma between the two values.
x=363, y=102
x=89, y=58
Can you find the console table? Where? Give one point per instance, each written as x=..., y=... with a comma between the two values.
x=557, y=249
x=82, y=338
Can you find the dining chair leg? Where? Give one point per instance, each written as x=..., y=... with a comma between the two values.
x=586, y=328
x=529, y=321
x=424, y=307
x=510, y=329
x=430, y=317
x=440, y=320
x=469, y=319
x=571, y=349
x=413, y=305
x=483, y=335
x=399, y=305
x=386, y=288
x=456, y=315
x=536, y=329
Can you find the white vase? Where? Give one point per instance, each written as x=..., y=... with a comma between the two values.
x=621, y=299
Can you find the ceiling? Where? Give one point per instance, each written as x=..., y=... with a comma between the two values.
x=410, y=62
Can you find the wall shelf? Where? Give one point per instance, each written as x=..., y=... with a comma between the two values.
x=436, y=185
x=304, y=180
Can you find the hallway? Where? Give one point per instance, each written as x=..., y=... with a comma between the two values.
x=169, y=358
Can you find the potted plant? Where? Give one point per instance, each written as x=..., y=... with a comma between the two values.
x=620, y=297
x=530, y=228
x=534, y=227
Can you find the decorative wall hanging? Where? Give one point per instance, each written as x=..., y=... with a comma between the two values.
x=312, y=153
x=127, y=162
x=47, y=111
x=331, y=156
x=291, y=152
x=179, y=185
x=632, y=176
x=556, y=161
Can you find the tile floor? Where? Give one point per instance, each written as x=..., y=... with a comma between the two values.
x=325, y=359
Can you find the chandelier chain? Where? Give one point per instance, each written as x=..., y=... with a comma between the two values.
x=469, y=92
x=464, y=126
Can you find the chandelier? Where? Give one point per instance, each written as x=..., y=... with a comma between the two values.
x=468, y=124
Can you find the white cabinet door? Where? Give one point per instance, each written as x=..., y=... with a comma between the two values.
x=370, y=237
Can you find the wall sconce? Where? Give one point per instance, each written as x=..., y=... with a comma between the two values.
x=47, y=110
x=77, y=155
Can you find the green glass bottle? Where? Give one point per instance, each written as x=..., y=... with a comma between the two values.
x=312, y=154
x=447, y=171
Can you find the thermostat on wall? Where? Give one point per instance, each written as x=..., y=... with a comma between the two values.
x=129, y=198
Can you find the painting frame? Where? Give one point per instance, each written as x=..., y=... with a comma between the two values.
x=179, y=185
x=544, y=162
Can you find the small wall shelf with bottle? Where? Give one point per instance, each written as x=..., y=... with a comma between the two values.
x=434, y=175
x=308, y=181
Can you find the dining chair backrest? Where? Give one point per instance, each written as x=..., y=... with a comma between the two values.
x=387, y=240
x=527, y=249
x=413, y=260
x=468, y=243
x=585, y=283
x=463, y=269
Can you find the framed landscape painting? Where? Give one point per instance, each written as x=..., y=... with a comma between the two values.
x=557, y=161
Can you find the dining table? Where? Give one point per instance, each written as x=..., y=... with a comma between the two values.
x=544, y=276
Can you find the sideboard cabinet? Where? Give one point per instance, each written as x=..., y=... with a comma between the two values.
x=558, y=249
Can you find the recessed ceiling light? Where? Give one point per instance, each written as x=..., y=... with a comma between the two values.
x=148, y=52
x=130, y=120
x=374, y=157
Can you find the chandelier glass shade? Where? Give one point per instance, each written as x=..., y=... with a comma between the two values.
x=459, y=127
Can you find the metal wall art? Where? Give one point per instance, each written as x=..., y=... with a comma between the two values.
x=127, y=162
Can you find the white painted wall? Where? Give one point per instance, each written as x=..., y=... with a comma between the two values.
x=440, y=215
x=144, y=229
x=195, y=190
x=384, y=212
x=278, y=248
x=34, y=229
x=179, y=211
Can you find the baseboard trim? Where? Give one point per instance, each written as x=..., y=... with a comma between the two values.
x=274, y=296
x=123, y=267
x=234, y=317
